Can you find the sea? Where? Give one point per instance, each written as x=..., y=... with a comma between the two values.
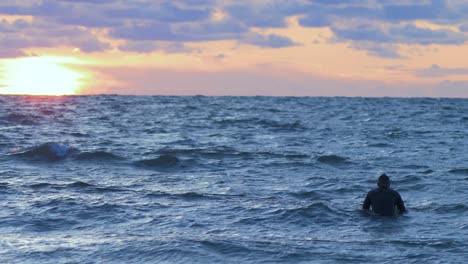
x=160, y=179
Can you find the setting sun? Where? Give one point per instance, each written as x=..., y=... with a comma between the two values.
x=41, y=76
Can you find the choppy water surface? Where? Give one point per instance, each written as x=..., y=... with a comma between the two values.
x=230, y=179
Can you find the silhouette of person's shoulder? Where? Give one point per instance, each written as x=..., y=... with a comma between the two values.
x=383, y=190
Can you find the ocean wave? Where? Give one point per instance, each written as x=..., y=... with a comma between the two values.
x=80, y=135
x=250, y=250
x=4, y=187
x=79, y=186
x=379, y=145
x=97, y=156
x=47, y=111
x=188, y=196
x=56, y=203
x=273, y=125
x=285, y=155
x=50, y=224
x=162, y=162
x=42, y=185
x=6, y=172
x=21, y=119
x=408, y=179
x=333, y=159
x=80, y=212
x=452, y=208
x=220, y=152
x=50, y=151
x=415, y=166
x=318, y=212
x=396, y=133
x=215, y=152
x=305, y=194
x=428, y=172
x=282, y=126
x=463, y=171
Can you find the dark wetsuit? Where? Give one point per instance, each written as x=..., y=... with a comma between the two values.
x=383, y=201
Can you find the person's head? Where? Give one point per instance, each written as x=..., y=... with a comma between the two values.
x=384, y=181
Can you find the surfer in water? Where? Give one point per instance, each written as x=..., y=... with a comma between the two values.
x=383, y=200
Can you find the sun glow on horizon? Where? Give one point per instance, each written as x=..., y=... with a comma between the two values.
x=41, y=76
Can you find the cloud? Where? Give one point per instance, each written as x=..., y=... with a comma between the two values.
x=150, y=46
x=391, y=22
x=12, y=27
x=335, y=15
x=89, y=1
x=315, y=20
x=378, y=49
x=33, y=8
x=363, y=33
x=464, y=27
x=213, y=30
x=257, y=16
x=436, y=71
x=182, y=33
x=23, y=34
x=150, y=31
x=404, y=12
x=367, y=24
x=270, y=41
x=402, y=34
x=398, y=67
x=69, y=23
x=411, y=34
x=87, y=19
x=436, y=11
x=338, y=2
x=165, y=11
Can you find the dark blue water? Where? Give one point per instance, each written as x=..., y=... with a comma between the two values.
x=119, y=179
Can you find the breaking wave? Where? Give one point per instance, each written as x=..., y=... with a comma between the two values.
x=50, y=151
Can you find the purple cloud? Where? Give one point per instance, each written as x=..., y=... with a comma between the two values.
x=436, y=71
x=375, y=26
x=89, y=1
x=265, y=16
x=378, y=49
x=22, y=34
x=150, y=46
x=217, y=30
x=407, y=34
x=270, y=41
x=403, y=12
x=156, y=11
x=464, y=27
x=315, y=20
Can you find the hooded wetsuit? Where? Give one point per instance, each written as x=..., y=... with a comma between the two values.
x=383, y=201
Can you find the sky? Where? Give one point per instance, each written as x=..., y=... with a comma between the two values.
x=407, y=48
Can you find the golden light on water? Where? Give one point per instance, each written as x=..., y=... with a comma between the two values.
x=41, y=76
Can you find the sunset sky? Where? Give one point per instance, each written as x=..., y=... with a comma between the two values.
x=239, y=47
